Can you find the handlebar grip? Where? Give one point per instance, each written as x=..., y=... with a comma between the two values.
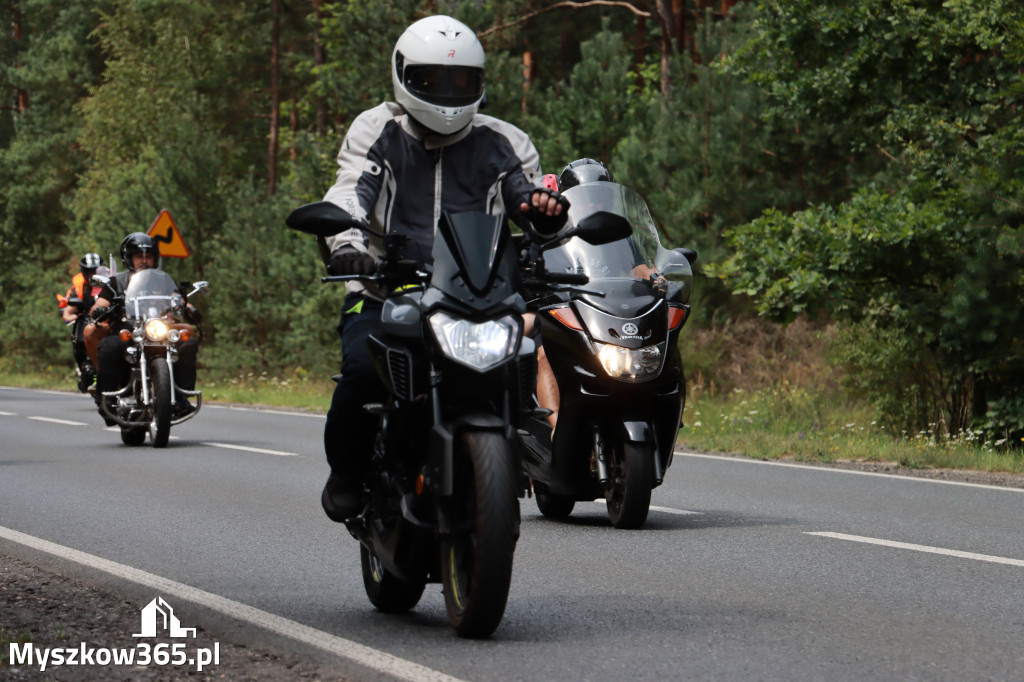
x=566, y=278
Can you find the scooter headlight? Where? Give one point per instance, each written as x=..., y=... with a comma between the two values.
x=629, y=364
x=480, y=345
x=156, y=330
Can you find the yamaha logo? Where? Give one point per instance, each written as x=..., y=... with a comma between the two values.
x=630, y=329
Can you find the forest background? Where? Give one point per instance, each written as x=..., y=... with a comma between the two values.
x=850, y=173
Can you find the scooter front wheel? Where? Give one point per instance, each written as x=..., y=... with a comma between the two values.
x=628, y=490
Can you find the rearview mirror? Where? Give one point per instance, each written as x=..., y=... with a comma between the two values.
x=199, y=288
x=324, y=219
x=602, y=227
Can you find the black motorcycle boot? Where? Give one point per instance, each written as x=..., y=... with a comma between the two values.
x=111, y=408
x=341, y=498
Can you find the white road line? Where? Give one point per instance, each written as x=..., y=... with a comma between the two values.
x=666, y=510
x=8, y=414
x=257, y=409
x=58, y=421
x=697, y=455
x=229, y=446
x=679, y=512
x=921, y=548
x=363, y=655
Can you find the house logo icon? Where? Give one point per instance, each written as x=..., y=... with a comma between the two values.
x=158, y=614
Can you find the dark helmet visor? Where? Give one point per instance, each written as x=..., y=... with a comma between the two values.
x=446, y=86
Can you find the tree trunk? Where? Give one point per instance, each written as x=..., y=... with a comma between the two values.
x=275, y=96
x=319, y=57
x=16, y=19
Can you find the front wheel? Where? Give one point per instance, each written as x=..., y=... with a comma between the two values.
x=386, y=591
x=133, y=435
x=628, y=490
x=476, y=557
x=160, y=380
x=552, y=505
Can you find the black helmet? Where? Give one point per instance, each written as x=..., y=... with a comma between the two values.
x=138, y=242
x=581, y=171
x=90, y=261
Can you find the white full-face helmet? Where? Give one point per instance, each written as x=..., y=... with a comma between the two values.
x=438, y=73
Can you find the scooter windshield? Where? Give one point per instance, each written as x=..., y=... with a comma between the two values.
x=150, y=293
x=639, y=256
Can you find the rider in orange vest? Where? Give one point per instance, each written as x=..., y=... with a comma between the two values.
x=75, y=317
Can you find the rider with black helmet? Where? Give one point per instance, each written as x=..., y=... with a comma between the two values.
x=80, y=289
x=139, y=252
x=582, y=171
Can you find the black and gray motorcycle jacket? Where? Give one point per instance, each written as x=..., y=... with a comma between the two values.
x=400, y=179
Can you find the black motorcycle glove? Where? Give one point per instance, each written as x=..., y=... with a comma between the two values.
x=100, y=312
x=194, y=315
x=545, y=225
x=348, y=260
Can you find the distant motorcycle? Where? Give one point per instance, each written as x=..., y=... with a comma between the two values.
x=84, y=369
x=154, y=311
x=441, y=504
x=609, y=317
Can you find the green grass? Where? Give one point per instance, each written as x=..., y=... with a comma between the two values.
x=299, y=392
x=785, y=423
x=779, y=423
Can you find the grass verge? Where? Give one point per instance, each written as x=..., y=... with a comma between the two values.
x=777, y=423
x=784, y=423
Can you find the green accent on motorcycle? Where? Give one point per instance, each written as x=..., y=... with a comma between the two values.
x=357, y=308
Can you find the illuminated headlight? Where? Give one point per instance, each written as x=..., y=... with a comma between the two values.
x=629, y=364
x=156, y=330
x=480, y=345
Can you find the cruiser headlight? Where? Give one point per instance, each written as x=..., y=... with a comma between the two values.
x=156, y=330
x=480, y=345
x=629, y=364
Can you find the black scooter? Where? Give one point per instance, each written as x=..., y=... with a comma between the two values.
x=612, y=345
x=441, y=503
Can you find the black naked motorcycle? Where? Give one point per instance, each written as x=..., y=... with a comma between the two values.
x=441, y=501
x=611, y=343
x=154, y=311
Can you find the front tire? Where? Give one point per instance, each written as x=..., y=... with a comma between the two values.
x=628, y=490
x=476, y=557
x=386, y=591
x=552, y=505
x=160, y=379
x=133, y=435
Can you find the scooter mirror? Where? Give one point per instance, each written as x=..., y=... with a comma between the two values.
x=99, y=280
x=602, y=227
x=324, y=219
x=689, y=254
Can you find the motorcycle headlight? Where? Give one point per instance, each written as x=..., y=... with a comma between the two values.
x=629, y=364
x=156, y=330
x=480, y=345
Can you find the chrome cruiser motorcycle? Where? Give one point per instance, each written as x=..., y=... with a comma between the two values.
x=611, y=342
x=154, y=311
x=440, y=504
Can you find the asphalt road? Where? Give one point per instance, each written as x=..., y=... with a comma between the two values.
x=745, y=570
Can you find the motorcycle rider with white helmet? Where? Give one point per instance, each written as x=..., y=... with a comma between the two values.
x=401, y=165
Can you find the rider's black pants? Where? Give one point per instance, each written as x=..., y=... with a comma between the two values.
x=349, y=432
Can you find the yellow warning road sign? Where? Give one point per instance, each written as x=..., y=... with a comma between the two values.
x=165, y=233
